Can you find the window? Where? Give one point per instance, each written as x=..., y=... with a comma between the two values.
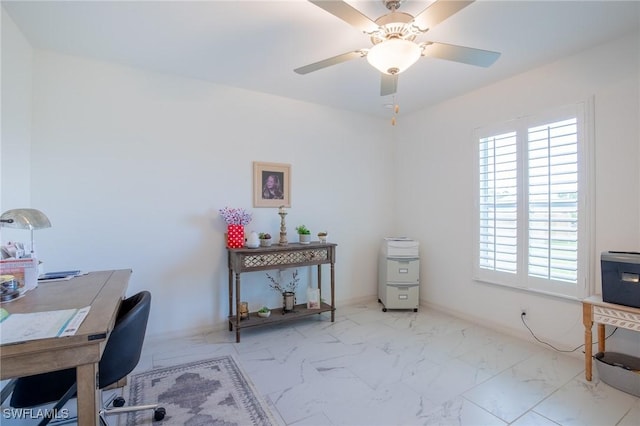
x=531, y=209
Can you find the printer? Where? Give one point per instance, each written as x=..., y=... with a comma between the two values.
x=621, y=277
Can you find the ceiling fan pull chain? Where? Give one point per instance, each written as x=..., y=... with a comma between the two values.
x=396, y=109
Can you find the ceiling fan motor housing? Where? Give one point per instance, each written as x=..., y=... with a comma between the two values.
x=394, y=25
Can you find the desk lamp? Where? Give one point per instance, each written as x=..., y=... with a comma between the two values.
x=25, y=219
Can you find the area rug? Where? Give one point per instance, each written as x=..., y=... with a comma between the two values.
x=210, y=392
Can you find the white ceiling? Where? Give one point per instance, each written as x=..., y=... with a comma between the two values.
x=256, y=44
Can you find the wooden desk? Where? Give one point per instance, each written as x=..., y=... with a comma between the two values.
x=279, y=257
x=104, y=291
x=594, y=310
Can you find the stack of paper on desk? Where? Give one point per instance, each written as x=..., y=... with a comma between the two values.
x=40, y=325
x=58, y=276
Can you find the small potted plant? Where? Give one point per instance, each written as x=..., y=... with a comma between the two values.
x=322, y=236
x=264, y=312
x=304, y=234
x=265, y=239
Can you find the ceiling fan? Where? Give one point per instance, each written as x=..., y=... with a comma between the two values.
x=393, y=36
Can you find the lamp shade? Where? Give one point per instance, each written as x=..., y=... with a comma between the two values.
x=394, y=55
x=24, y=219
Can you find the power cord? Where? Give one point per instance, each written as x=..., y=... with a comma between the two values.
x=522, y=318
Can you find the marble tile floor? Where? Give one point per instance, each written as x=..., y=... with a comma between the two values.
x=403, y=368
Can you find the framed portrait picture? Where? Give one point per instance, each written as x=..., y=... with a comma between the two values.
x=271, y=184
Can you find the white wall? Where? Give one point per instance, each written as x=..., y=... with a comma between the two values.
x=436, y=152
x=131, y=167
x=15, y=142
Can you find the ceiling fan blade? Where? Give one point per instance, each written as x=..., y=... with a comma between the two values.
x=388, y=84
x=438, y=11
x=348, y=14
x=330, y=61
x=466, y=55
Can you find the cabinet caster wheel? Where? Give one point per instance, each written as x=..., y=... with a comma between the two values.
x=384, y=309
x=159, y=413
x=415, y=310
x=118, y=402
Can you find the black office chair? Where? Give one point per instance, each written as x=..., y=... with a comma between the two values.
x=120, y=357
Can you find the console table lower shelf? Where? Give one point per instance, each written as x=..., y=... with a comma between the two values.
x=277, y=316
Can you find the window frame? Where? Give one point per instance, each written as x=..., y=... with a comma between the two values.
x=583, y=287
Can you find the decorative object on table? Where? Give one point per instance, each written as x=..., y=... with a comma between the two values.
x=25, y=219
x=288, y=301
x=9, y=282
x=235, y=236
x=244, y=310
x=213, y=392
x=313, y=298
x=24, y=270
x=283, y=227
x=271, y=184
x=304, y=234
x=236, y=220
x=322, y=236
x=264, y=312
x=288, y=290
x=253, y=241
x=9, y=288
x=13, y=250
x=265, y=239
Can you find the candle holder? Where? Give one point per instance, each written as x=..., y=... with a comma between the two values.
x=283, y=227
x=244, y=310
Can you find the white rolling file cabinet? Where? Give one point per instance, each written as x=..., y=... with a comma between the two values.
x=399, y=274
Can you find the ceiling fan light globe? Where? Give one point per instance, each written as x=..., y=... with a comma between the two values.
x=393, y=56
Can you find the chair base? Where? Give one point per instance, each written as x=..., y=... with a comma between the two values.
x=158, y=412
x=115, y=405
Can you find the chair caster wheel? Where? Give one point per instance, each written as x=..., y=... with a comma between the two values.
x=415, y=310
x=118, y=402
x=159, y=413
x=384, y=309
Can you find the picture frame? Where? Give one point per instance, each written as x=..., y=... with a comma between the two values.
x=271, y=184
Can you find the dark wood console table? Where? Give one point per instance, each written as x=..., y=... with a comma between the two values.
x=278, y=257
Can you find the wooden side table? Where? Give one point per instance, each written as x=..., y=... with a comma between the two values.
x=594, y=310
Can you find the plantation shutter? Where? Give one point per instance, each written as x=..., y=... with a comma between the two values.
x=553, y=201
x=532, y=205
x=498, y=205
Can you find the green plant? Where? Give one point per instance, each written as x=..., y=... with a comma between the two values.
x=263, y=310
x=264, y=236
x=303, y=230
